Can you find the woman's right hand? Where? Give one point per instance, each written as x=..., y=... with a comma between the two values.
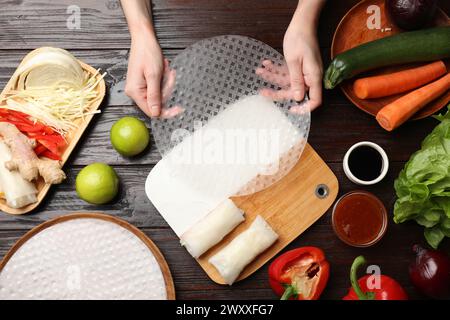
x=145, y=73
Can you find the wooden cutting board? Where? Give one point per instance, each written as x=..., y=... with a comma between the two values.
x=290, y=206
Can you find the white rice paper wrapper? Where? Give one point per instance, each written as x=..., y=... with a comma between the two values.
x=217, y=88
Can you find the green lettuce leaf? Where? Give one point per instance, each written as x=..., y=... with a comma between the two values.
x=423, y=186
x=434, y=236
x=443, y=116
x=445, y=226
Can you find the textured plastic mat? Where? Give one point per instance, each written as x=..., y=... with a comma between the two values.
x=83, y=259
x=211, y=75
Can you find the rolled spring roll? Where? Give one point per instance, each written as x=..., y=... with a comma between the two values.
x=211, y=229
x=231, y=260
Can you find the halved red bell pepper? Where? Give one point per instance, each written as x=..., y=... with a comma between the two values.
x=388, y=289
x=300, y=274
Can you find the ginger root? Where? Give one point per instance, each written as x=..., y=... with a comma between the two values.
x=25, y=160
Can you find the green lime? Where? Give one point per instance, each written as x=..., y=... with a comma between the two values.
x=129, y=136
x=97, y=183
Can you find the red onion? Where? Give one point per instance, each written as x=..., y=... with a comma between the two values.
x=430, y=272
x=411, y=14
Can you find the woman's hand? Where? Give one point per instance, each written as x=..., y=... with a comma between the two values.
x=303, y=70
x=304, y=63
x=144, y=75
x=147, y=71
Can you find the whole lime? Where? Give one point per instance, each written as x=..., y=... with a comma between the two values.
x=97, y=183
x=129, y=136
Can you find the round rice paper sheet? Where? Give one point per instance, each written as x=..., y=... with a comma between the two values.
x=217, y=89
x=85, y=258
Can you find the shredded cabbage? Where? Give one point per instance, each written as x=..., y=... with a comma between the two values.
x=53, y=89
x=58, y=106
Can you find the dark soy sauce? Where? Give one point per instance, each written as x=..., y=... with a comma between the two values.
x=365, y=163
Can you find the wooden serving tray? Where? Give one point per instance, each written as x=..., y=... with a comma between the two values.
x=290, y=206
x=170, y=288
x=73, y=138
x=352, y=31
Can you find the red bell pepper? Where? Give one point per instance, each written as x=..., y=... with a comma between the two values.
x=300, y=274
x=388, y=289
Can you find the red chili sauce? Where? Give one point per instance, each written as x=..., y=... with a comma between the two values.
x=359, y=218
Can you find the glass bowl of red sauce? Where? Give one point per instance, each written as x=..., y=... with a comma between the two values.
x=359, y=219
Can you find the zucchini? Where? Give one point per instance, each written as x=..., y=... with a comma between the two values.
x=416, y=46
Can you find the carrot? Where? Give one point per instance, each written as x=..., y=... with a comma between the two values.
x=397, y=82
x=395, y=113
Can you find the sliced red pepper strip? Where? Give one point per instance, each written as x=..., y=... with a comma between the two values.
x=16, y=122
x=39, y=149
x=28, y=122
x=42, y=151
x=33, y=128
x=18, y=114
x=50, y=145
x=300, y=274
x=21, y=117
x=50, y=137
x=388, y=289
x=49, y=130
x=24, y=127
x=50, y=155
x=46, y=136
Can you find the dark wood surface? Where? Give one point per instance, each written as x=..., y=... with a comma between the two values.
x=103, y=41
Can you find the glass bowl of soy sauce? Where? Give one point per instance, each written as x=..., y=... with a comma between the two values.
x=365, y=163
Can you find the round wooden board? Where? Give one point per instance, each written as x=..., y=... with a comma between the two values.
x=353, y=31
x=170, y=288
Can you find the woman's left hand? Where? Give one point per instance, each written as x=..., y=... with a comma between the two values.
x=302, y=72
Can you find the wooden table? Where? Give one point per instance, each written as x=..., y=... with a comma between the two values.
x=103, y=41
